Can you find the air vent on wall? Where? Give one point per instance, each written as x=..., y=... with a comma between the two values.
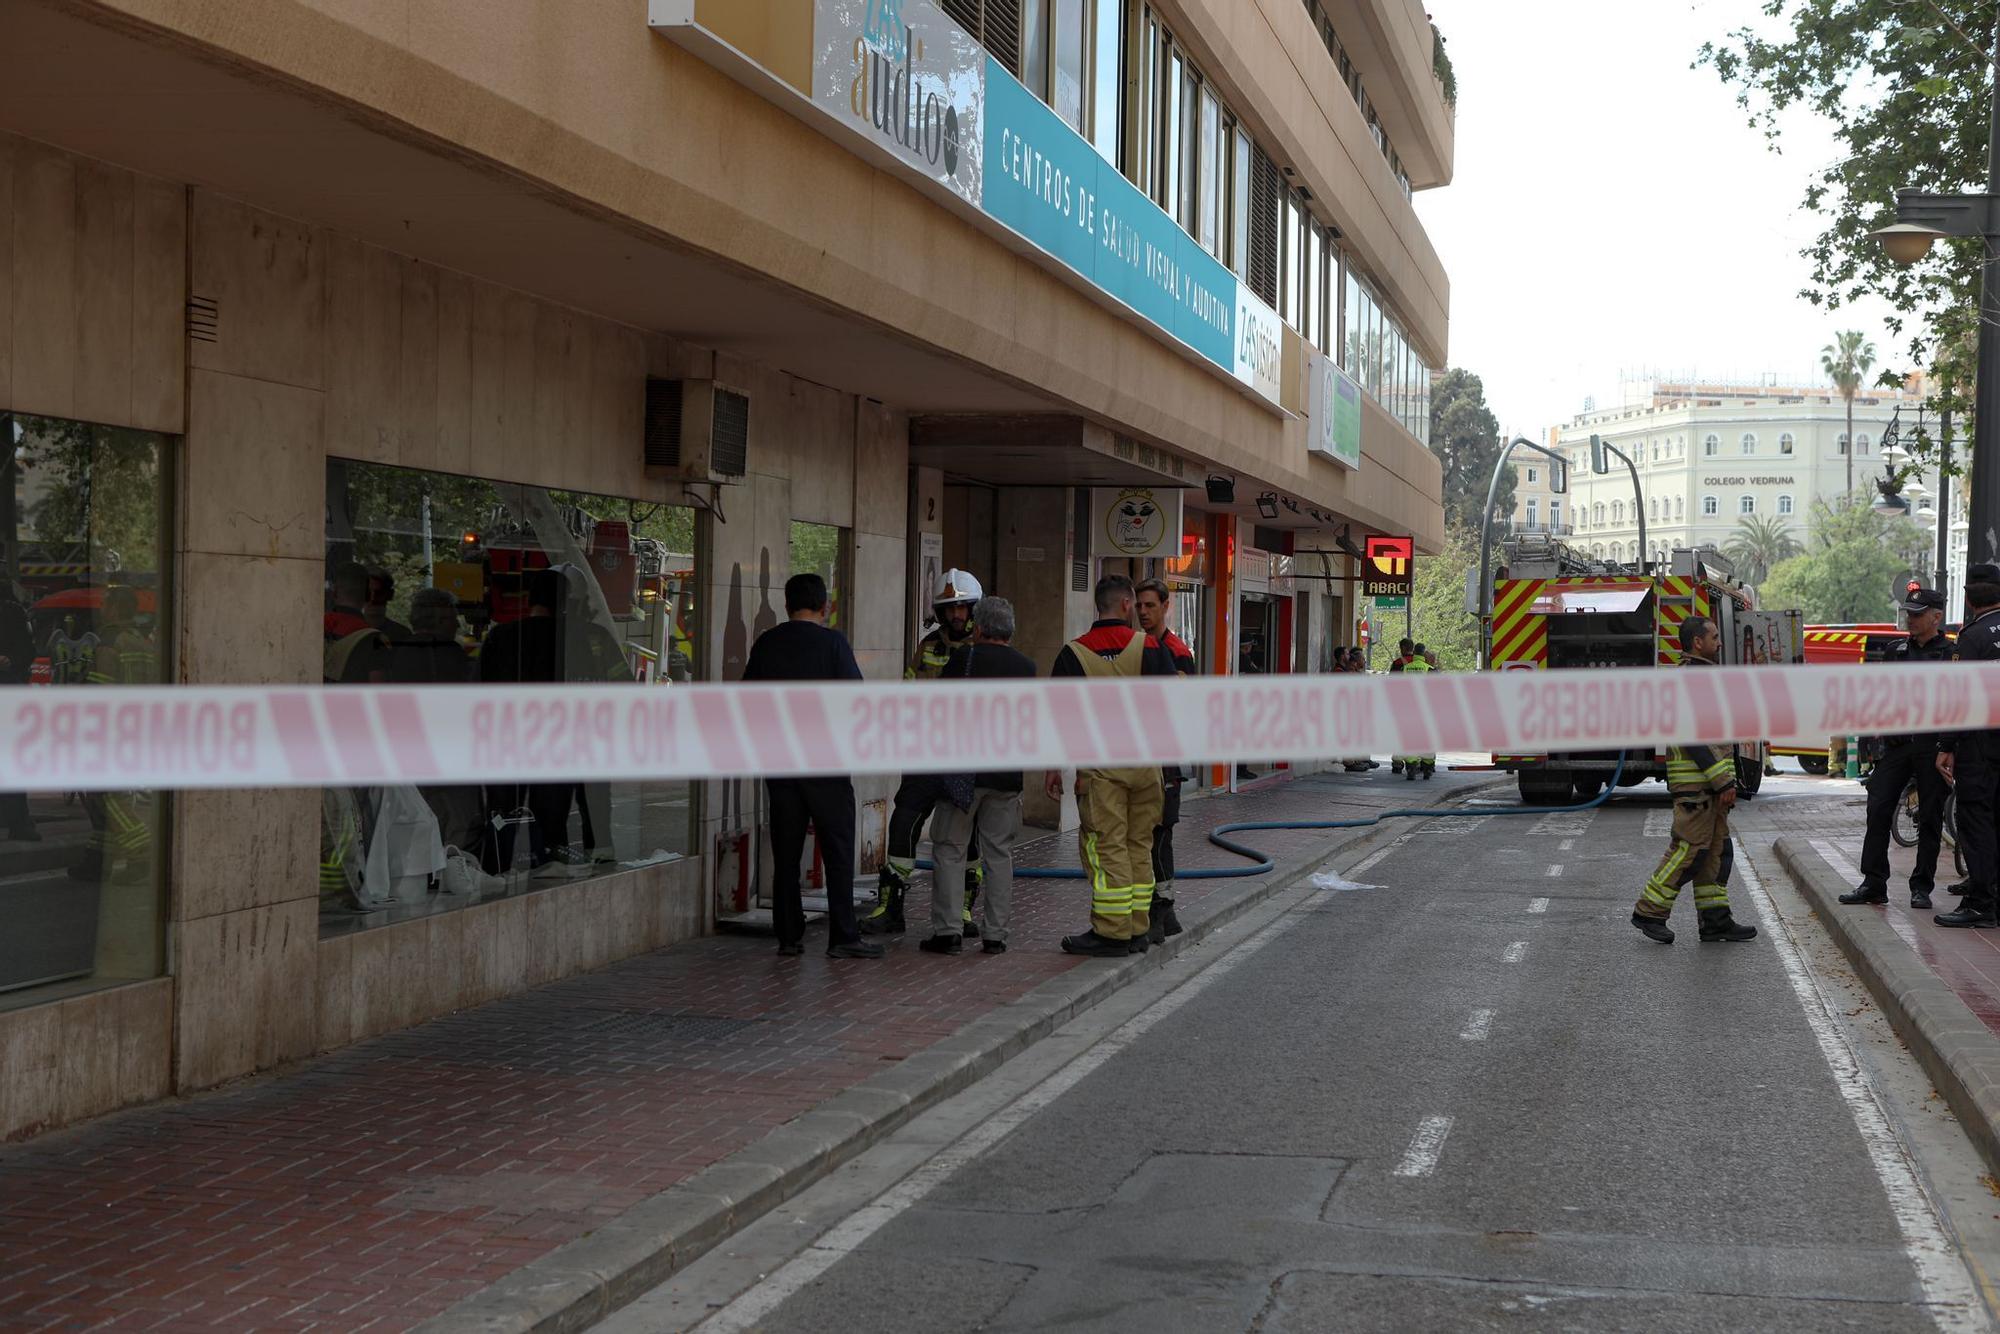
x=696, y=431
x=204, y=319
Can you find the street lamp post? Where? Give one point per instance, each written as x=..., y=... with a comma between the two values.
x=1921, y=218
x=1558, y=486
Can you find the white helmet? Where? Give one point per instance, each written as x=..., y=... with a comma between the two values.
x=955, y=586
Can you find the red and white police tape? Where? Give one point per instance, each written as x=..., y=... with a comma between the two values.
x=96, y=738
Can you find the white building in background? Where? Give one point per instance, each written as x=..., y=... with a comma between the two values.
x=1709, y=456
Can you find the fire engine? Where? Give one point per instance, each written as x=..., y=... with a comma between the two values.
x=1556, y=608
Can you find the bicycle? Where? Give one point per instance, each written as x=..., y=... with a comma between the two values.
x=1903, y=828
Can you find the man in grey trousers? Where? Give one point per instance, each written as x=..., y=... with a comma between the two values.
x=995, y=812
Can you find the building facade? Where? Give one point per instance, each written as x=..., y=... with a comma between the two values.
x=341, y=340
x=1708, y=457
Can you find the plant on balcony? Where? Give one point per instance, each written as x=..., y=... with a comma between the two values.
x=1441, y=66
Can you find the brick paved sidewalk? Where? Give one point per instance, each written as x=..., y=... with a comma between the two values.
x=1967, y=961
x=380, y=1185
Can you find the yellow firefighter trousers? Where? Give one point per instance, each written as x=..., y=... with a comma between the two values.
x=1119, y=809
x=1700, y=851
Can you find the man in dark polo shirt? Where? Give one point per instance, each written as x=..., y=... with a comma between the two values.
x=804, y=648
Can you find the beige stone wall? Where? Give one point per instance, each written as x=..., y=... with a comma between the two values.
x=618, y=123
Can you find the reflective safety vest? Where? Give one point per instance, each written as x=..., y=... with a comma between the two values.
x=1416, y=665
x=933, y=652
x=1696, y=766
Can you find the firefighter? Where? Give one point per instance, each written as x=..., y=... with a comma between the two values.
x=1155, y=600
x=1119, y=808
x=1416, y=660
x=1903, y=759
x=951, y=607
x=1702, y=783
x=1406, y=648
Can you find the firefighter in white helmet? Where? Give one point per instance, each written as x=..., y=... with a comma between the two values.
x=951, y=608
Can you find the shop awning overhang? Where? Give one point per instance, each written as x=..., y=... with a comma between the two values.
x=1043, y=449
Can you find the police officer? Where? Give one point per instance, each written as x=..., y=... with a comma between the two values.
x=1904, y=758
x=951, y=606
x=1970, y=761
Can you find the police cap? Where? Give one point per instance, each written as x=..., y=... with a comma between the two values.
x=1983, y=574
x=1923, y=599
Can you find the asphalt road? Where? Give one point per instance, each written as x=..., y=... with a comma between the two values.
x=1472, y=1097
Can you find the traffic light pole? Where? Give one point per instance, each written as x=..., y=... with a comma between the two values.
x=1558, y=485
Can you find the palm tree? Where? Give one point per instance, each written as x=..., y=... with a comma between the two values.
x=1847, y=361
x=1760, y=542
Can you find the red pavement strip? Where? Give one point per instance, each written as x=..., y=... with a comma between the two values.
x=381, y=1184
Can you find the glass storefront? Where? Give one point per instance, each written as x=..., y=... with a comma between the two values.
x=84, y=601
x=440, y=579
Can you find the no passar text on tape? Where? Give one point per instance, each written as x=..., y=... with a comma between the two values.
x=92, y=738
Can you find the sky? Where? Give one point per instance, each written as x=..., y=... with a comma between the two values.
x=1612, y=215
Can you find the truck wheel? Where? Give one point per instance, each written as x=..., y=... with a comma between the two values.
x=1813, y=764
x=1749, y=776
x=1585, y=787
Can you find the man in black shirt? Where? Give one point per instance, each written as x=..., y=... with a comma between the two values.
x=995, y=813
x=1905, y=758
x=1970, y=761
x=805, y=649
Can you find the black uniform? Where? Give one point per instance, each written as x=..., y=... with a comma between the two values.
x=1977, y=778
x=1904, y=758
x=806, y=651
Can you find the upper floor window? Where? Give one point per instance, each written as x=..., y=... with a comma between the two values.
x=1597, y=514
x=1861, y=444
x=1841, y=444
x=1749, y=443
x=1555, y=512
x=1785, y=443
x=1531, y=511
x=1710, y=507
x=1677, y=507
x=1746, y=504
x=1532, y=476
x=1712, y=445
x=1784, y=504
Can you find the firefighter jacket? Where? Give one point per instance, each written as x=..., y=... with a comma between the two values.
x=1979, y=641
x=934, y=650
x=1697, y=767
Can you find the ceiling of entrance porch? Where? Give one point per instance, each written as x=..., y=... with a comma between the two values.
x=168, y=111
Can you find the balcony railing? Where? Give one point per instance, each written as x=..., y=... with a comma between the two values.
x=1522, y=528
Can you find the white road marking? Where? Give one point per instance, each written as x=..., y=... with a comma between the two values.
x=755, y=1306
x=1556, y=869
x=1566, y=845
x=1478, y=1026
x=1952, y=1300
x=1538, y=905
x=1514, y=952
x=1426, y=1146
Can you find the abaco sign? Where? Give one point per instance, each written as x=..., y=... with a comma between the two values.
x=1388, y=570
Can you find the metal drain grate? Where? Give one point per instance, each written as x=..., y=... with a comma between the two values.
x=669, y=1027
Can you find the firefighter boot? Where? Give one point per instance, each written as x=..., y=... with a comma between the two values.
x=887, y=917
x=1165, y=921
x=1717, y=924
x=1654, y=928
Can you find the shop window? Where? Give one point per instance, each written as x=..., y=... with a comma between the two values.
x=822, y=549
x=85, y=600
x=1211, y=182
x=440, y=579
x=1107, y=118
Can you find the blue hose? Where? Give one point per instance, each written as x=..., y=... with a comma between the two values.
x=1264, y=864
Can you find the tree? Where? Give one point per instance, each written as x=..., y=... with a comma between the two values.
x=1759, y=543
x=1465, y=436
x=1921, y=124
x=1440, y=621
x=1849, y=569
x=1846, y=361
